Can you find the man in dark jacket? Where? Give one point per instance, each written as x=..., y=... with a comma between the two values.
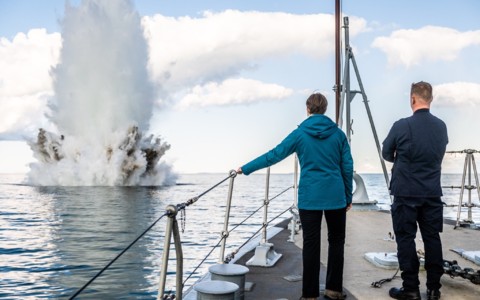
x=416, y=146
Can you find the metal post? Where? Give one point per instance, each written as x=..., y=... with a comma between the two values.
x=295, y=181
x=171, y=212
x=346, y=77
x=233, y=174
x=372, y=125
x=469, y=164
x=265, y=210
x=294, y=208
x=348, y=97
x=469, y=213
x=265, y=255
x=462, y=189
x=476, y=176
x=179, y=256
x=337, y=61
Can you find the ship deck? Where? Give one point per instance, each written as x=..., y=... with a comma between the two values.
x=367, y=231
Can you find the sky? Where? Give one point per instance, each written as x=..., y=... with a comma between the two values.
x=232, y=76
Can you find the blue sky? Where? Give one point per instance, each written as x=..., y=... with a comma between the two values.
x=240, y=71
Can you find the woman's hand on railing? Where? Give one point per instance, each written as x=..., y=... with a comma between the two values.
x=239, y=171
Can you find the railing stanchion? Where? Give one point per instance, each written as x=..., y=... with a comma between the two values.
x=179, y=257
x=265, y=255
x=233, y=174
x=265, y=210
x=467, y=173
x=294, y=208
x=295, y=181
x=171, y=223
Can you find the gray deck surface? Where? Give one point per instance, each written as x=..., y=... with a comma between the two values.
x=366, y=232
x=270, y=282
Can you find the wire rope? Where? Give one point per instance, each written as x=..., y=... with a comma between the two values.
x=117, y=257
x=179, y=207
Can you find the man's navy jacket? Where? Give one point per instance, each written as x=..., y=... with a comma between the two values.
x=416, y=145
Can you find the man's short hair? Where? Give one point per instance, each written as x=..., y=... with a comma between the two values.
x=423, y=90
x=317, y=103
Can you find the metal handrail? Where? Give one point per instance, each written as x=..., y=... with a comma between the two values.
x=233, y=174
x=468, y=165
x=172, y=227
x=294, y=207
x=265, y=207
x=232, y=255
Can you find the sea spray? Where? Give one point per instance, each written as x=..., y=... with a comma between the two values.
x=102, y=105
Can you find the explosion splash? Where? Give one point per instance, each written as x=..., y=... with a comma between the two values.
x=103, y=102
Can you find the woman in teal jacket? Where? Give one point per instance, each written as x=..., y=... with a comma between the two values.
x=325, y=188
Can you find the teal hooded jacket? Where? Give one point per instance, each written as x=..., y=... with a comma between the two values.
x=326, y=164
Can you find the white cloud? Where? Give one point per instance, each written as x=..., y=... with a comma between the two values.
x=25, y=62
x=216, y=45
x=193, y=56
x=232, y=91
x=23, y=115
x=25, y=83
x=410, y=47
x=457, y=93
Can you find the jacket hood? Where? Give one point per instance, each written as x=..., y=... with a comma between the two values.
x=319, y=126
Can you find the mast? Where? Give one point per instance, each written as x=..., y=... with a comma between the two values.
x=337, y=88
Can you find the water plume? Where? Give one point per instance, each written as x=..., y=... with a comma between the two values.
x=102, y=105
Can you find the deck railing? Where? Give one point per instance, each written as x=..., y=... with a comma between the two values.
x=172, y=228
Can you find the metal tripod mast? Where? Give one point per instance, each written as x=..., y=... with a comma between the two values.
x=348, y=95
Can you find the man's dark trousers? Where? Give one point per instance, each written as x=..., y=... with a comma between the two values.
x=428, y=212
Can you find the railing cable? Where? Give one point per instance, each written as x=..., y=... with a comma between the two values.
x=203, y=260
x=190, y=201
x=278, y=215
x=241, y=223
x=255, y=211
x=255, y=234
x=180, y=206
x=117, y=257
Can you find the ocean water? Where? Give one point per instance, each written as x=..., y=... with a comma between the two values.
x=55, y=239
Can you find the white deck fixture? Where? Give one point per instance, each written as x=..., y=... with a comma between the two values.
x=265, y=256
x=387, y=260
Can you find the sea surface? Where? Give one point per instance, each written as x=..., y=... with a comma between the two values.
x=53, y=240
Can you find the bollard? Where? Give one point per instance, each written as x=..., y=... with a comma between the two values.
x=215, y=290
x=231, y=273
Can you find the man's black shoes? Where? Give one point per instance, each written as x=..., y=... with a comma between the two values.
x=433, y=294
x=400, y=293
